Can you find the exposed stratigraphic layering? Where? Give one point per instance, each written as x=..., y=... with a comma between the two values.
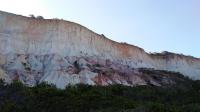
x=43, y=47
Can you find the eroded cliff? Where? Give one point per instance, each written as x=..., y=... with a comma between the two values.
x=35, y=50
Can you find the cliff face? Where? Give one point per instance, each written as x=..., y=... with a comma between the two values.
x=39, y=43
x=37, y=36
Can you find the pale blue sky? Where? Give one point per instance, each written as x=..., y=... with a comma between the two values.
x=155, y=25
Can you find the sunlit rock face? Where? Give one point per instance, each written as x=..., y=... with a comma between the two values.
x=62, y=53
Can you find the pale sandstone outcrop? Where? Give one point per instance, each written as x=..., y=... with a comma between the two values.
x=43, y=48
x=2, y=60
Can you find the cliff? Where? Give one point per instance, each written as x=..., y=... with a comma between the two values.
x=41, y=48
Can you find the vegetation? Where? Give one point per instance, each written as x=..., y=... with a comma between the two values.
x=84, y=98
x=34, y=17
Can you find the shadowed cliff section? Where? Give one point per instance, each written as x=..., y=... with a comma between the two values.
x=49, y=47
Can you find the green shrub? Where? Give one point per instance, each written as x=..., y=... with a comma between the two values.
x=85, y=98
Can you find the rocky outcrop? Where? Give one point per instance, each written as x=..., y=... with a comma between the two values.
x=62, y=52
x=187, y=65
x=62, y=71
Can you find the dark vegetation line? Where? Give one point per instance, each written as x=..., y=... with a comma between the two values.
x=84, y=98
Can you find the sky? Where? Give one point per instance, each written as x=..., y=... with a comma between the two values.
x=154, y=25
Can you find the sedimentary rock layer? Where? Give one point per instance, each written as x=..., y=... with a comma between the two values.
x=31, y=37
